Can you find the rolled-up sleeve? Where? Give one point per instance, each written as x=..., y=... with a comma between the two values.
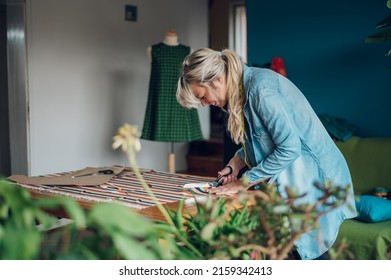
x=240, y=153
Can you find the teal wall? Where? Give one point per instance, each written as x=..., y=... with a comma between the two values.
x=322, y=44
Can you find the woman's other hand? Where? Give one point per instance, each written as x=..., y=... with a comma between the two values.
x=231, y=188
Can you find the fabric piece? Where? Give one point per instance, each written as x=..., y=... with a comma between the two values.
x=124, y=188
x=165, y=119
x=338, y=128
x=69, y=179
x=373, y=209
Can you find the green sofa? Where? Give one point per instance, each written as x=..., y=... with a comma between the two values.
x=369, y=161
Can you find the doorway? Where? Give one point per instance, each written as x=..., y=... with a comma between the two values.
x=5, y=157
x=14, y=121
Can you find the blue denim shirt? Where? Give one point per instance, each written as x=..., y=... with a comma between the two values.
x=286, y=142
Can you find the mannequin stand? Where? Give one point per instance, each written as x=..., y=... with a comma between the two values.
x=171, y=160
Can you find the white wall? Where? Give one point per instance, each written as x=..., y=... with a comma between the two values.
x=89, y=72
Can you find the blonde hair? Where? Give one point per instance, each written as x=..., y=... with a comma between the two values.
x=204, y=66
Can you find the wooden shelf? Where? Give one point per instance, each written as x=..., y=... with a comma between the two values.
x=205, y=158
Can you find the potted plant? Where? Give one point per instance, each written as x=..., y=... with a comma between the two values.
x=384, y=31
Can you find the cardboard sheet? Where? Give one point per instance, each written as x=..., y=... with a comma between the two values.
x=67, y=179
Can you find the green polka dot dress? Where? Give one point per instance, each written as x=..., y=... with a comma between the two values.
x=165, y=119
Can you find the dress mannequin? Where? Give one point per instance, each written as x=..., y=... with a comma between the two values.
x=165, y=120
x=170, y=39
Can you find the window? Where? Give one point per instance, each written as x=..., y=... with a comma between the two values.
x=238, y=29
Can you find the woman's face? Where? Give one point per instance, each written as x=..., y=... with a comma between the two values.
x=214, y=95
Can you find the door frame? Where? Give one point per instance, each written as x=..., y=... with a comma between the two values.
x=18, y=101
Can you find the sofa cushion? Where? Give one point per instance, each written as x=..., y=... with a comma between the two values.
x=369, y=162
x=366, y=241
x=371, y=208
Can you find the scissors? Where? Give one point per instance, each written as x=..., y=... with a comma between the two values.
x=99, y=172
x=204, y=186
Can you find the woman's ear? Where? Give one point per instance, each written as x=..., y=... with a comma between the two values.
x=221, y=79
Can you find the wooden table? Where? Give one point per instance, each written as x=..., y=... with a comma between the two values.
x=125, y=188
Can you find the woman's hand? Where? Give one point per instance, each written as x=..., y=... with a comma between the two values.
x=230, y=188
x=229, y=181
x=231, y=170
x=229, y=175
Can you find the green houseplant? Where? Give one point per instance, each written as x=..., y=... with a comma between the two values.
x=258, y=224
x=107, y=231
x=384, y=31
x=253, y=224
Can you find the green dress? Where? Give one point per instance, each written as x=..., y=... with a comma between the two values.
x=165, y=119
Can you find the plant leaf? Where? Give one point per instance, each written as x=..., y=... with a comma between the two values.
x=115, y=217
x=207, y=232
x=132, y=249
x=20, y=244
x=384, y=23
x=73, y=210
x=379, y=37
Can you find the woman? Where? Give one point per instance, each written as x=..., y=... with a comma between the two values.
x=283, y=141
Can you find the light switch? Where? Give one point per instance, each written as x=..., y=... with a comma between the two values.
x=130, y=13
